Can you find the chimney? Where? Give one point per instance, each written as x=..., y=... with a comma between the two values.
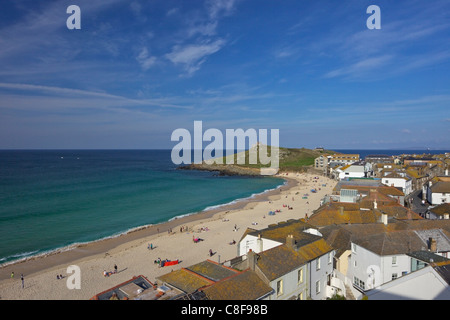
x=259, y=243
x=375, y=204
x=251, y=257
x=432, y=245
x=384, y=218
x=290, y=242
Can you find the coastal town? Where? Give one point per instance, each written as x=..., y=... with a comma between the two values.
x=383, y=233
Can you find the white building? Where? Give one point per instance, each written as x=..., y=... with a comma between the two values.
x=428, y=283
x=351, y=171
x=298, y=265
x=384, y=257
x=398, y=180
x=438, y=192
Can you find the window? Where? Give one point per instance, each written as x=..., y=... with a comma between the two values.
x=394, y=260
x=318, y=264
x=359, y=283
x=300, y=276
x=330, y=258
x=317, y=286
x=394, y=276
x=279, y=287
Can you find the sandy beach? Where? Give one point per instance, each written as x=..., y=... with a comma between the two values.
x=171, y=240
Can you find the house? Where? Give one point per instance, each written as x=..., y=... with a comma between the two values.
x=378, y=158
x=429, y=283
x=350, y=171
x=293, y=270
x=275, y=235
x=398, y=180
x=380, y=258
x=441, y=211
x=438, y=192
x=360, y=246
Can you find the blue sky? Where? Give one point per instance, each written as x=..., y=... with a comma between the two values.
x=137, y=70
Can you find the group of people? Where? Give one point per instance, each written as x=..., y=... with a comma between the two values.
x=21, y=278
x=108, y=273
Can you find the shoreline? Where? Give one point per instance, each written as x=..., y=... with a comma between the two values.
x=130, y=252
x=34, y=264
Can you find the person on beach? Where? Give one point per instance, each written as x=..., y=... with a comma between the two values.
x=12, y=275
x=23, y=280
x=115, y=268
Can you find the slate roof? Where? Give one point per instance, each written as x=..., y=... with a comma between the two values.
x=278, y=261
x=443, y=269
x=427, y=256
x=441, y=209
x=212, y=270
x=441, y=187
x=280, y=231
x=281, y=260
x=340, y=236
x=442, y=240
x=391, y=243
x=245, y=285
x=184, y=280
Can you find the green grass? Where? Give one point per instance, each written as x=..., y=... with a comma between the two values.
x=290, y=159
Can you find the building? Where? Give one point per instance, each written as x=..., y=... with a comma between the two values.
x=350, y=171
x=441, y=211
x=378, y=158
x=369, y=255
x=294, y=270
x=343, y=159
x=321, y=163
x=429, y=283
x=437, y=192
x=398, y=180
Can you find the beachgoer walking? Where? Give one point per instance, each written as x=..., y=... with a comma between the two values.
x=115, y=268
x=23, y=280
x=12, y=275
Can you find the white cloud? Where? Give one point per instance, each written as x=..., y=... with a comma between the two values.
x=192, y=56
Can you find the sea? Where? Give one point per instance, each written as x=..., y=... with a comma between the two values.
x=53, y=200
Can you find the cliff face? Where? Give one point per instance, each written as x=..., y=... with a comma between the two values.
x=223, y=170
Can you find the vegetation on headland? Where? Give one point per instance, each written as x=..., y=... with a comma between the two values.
x=290, y=159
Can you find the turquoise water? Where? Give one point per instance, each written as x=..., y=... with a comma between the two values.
x=52, y=199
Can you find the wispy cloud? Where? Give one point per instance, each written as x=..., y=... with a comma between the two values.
x=360, y=68
x=192, y=56
x=145, y=60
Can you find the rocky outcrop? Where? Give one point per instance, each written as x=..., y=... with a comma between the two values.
x=223, y=169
